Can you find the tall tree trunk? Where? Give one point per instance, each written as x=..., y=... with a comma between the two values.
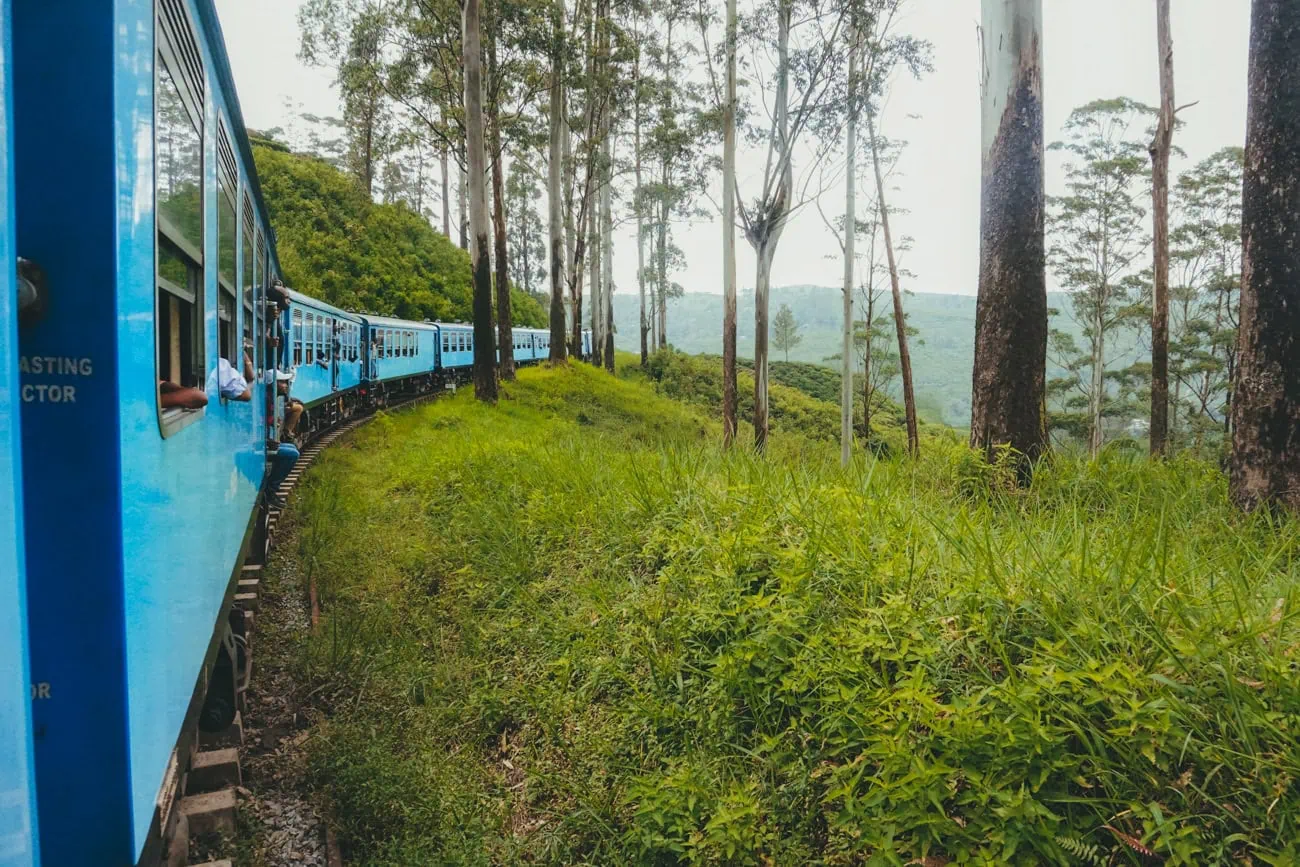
x=638, y=202
x=900, y=322
x=850, y=233
x=593, y=243
x=446, y=195
x=1265, y=462
x=662, y=264
x=1160, y=148
x=607, y=243
x=730, y=395
x=765, y=237
x=1008, y=396
x=485, y=380
x=1097, y=392
x=554, y=182
x=505, y=333
x=464, y=202
x=762, y=293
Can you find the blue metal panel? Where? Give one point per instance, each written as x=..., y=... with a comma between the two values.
x=121, y=619
x=17, y=791
x=66, y=190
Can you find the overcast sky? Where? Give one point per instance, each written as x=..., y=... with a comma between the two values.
x=1092, y=49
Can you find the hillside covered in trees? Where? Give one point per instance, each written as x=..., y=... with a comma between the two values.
x=337, y=244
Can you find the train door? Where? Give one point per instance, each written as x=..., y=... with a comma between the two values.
x=336, y=346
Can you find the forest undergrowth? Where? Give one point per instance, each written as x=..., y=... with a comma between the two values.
x=570, y=629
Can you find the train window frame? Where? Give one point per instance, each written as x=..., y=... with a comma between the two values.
x=185, y=318
x=296, y=326
x=248, y=272
x=309, y=339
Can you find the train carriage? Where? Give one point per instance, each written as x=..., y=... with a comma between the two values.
x=136, y=193
x=17, y=795
x=456, y=348
x=323, y=345
x=400, y=356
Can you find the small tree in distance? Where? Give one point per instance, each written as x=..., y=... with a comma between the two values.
x=785, y=331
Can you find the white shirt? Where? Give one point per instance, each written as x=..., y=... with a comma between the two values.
x=229, y=383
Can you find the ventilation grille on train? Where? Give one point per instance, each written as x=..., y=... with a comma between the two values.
x=248, y=213
x=226, y=154
x=180, y=34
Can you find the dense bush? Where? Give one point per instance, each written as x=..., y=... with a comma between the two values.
x=569, y=630
x=337, y=245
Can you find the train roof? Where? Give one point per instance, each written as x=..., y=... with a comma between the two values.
x=299, y=298
x=391, y=322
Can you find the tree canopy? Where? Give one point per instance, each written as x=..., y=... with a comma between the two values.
x=336, y=244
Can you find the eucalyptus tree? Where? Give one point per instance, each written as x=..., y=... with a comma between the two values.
x=730, y=396
x=1098, y=235
x=1008, y=397
x=850, y=231
x=485, y=382
x=555, y=182
x=1265, y=460
x=351, y=35
x=525, y=233
x=1161, y=146
x=1205, y=255
x=888, y=51
x=802, y=38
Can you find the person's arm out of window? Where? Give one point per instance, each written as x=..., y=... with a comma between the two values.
x=173, y=396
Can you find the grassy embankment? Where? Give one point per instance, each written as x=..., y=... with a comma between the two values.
x=569, y=630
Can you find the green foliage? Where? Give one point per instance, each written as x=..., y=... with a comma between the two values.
x=697, y=380
x=785, y=331
x=612, y=643
x=1099, y=234
x=337, y=245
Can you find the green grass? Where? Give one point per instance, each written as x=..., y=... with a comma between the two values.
x=568, y=629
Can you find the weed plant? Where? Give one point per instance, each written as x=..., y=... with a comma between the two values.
x=570, y=629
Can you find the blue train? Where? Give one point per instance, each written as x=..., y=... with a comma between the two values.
x=130, y=470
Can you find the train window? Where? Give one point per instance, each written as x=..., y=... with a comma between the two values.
x=410, y=344
x=178, y=185
x=297, y=337
x=322, y=338
x=226, y=325
x=309, y=339
x=444, y=342
x=388, y=343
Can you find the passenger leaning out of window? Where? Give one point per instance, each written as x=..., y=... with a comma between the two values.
x=230, y=384
x=282, y=452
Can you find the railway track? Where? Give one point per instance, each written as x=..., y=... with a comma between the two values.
x=212, y=776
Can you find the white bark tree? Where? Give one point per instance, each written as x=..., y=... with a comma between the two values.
x=730, y=398
x=555, y=183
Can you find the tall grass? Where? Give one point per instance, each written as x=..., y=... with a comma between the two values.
x=570, y=630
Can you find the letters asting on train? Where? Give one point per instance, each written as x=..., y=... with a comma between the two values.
x=127, y=179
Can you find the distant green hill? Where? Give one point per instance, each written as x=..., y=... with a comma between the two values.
x=941, y=360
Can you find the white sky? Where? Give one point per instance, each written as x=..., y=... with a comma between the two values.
x=1092, y=49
